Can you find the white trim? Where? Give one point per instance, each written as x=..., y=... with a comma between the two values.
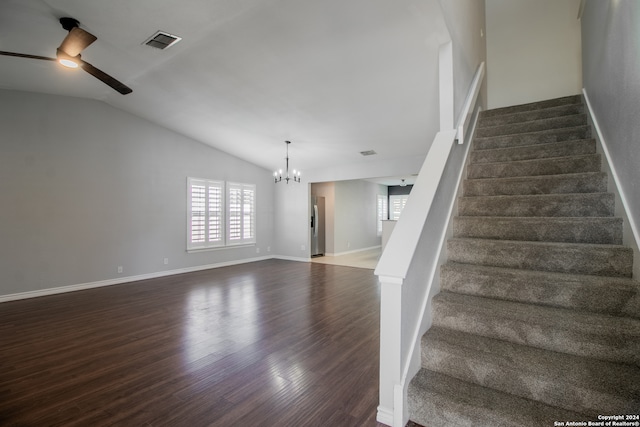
x=121, y=280
x=385, y=416
x=632, y=223
x=470, y=104
x=370, y=248
x=291, y=258
x=400, y=389
x=446, y=90
x=391, y=280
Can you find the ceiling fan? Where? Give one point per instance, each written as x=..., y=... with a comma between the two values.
x=68, y=54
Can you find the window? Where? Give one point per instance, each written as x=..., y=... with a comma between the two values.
x=204, y=213
x=208, y=208
x=397, y=204
x=383, y=211
x=241, y=214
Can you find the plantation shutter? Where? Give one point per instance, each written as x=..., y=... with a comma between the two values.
x=397, y=205
x=241, y=213
x=382, y=212
x=205, y=218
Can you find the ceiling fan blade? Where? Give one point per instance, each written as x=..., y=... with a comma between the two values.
x=24, y=55
x=76, y=41
x=105, y=78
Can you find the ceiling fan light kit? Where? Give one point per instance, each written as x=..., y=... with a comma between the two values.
x=66, y=60
x=68, y=54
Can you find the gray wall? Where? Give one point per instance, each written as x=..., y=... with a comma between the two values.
x=533, y=50
x=355, y=222
x=350, y=214
x=86, y=188
x=611, y=73
x=466, y=24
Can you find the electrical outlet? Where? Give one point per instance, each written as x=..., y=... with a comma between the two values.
x=268, y=248
x=119, y=269
x=257, y=250
x=302, y=247
x=166, y=261
x=348, y=244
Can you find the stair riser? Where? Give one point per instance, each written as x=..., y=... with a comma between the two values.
x=613, y=261
x=605, y=295
x=531, y=152
x=542, y=137
x=555, y=184
x=606, y=231
x=532, y=106
x=613, y=348
x=546, y=113
x=438, y=400
x=562, y=205
x=557, y=166
x=524, y=374
x=533, y=126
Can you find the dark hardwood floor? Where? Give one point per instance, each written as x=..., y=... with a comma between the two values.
x=270, y=343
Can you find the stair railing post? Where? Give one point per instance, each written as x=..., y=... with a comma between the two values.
x=390, y=348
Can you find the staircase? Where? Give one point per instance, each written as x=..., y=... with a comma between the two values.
x=538, y=319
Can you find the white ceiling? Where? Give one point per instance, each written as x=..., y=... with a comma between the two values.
x=335, y=77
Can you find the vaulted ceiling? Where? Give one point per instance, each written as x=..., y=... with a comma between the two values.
x=335, y=77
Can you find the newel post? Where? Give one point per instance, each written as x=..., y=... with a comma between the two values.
x=390, y=347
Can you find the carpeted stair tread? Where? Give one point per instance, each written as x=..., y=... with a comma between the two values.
x=538, y=317
x=533, y=126
x=536, y=167
x=586, y=385
x=527, y=116
x=598, y=336
x=440, y=400
x=574, y=258
x=531, y=138
x=606, y=230
x=551, y=205
x=532, y=106
x=598, y=294
x=589, y=182
x=536, y=151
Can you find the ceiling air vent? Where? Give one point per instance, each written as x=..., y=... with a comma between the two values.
x=161, y=40
x=368, y=153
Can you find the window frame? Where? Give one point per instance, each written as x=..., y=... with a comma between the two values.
x=219, y=211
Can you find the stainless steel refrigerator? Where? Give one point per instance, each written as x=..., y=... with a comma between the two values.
x=317, y=226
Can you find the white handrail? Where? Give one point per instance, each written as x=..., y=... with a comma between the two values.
x=398, y=265
x=467, y=111
x=404, y=294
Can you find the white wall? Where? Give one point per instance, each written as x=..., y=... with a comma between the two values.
x=611, y=70
x=85, y=188
x=533, y=50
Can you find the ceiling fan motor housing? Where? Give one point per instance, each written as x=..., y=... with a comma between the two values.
x=69, y=23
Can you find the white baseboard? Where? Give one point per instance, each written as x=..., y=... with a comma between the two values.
x=385, y=416
x=370, y=248
x=634, y=240
x=291, y=258
x=121, y=280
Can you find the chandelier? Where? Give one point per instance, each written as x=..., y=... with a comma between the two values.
x=277, y=175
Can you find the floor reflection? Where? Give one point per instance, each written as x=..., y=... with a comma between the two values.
x=224, y=313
